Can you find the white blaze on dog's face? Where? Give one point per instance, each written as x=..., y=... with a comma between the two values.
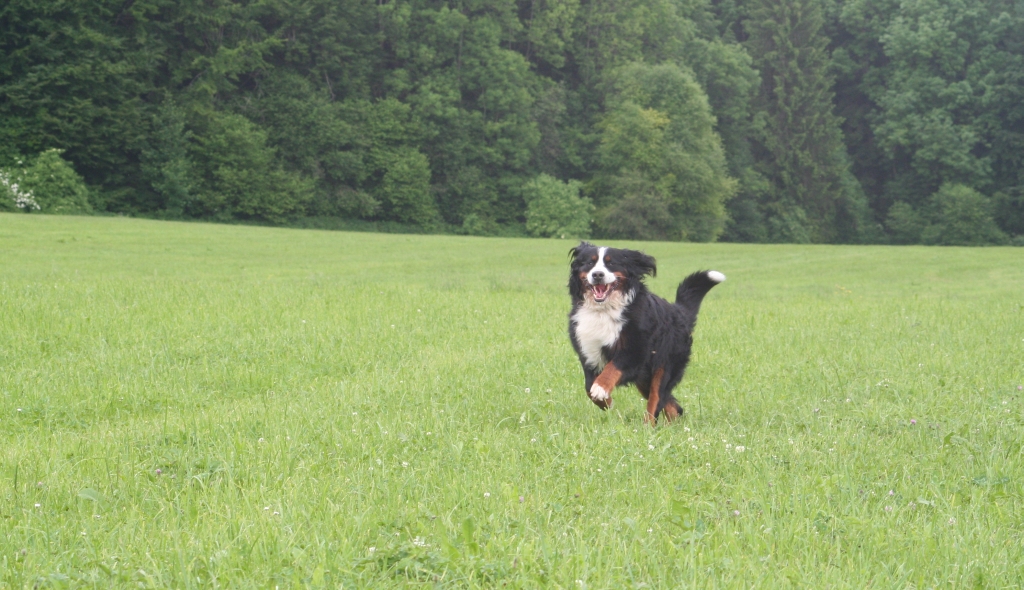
x=603, y=281
x=600, y=278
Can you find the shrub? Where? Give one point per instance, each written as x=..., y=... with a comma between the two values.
x=1009, y=211
x=353, y=203
x=404, y=190
x=239, y=174
x=555, y=209
x=13, y=195
x=657, y=136
x=745, y=223
x=788, y=223
x=164, y=161
x=643, y=212
x=961, y=216
x=474, y=224
x=904, y=224
x=47, y=184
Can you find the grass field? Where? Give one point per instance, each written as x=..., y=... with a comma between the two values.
x=192, y=405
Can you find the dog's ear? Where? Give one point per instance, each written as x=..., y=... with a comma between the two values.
x=575, y=285
x=642, y=264
x=576, y=249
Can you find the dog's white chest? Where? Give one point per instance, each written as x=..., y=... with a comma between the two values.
x=598, y=326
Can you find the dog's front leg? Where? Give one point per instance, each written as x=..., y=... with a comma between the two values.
x=601, y=389
x=590, y=377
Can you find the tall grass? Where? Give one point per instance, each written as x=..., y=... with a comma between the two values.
x=190, y=405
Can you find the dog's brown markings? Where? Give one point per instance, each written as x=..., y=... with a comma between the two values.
x=609, y=377
x=607, y=380
x=671, y=413
x=654, y=397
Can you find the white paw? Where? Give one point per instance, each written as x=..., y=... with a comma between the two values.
x=597, y=393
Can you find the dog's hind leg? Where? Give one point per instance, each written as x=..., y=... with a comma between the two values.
x=669, y=405
x=654, y=397
x=672, y=408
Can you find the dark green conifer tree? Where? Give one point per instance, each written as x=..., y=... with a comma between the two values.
x=813, y=197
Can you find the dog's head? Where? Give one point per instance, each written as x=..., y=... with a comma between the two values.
x=600, y=275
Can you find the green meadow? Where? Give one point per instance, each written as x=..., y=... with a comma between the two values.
x=210, y=406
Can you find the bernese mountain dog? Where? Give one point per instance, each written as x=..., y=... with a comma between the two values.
x=625, y=334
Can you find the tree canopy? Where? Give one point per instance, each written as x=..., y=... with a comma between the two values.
x=743, y=120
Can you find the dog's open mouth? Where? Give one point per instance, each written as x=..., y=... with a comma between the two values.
x=601, y=292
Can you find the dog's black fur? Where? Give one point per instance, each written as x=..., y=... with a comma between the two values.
x=625, y=334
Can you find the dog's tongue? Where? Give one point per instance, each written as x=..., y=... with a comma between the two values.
x=600, y=291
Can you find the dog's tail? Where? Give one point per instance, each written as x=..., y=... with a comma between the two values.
x=694, y=287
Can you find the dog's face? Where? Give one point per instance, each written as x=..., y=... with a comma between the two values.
x=601, y=275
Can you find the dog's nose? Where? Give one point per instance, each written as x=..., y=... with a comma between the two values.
x=597, y=275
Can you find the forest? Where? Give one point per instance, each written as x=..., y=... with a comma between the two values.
x=802, y=121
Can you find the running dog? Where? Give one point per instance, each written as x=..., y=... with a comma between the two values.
x=625, y=334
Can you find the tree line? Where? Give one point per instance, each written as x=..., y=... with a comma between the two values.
x=829, y=121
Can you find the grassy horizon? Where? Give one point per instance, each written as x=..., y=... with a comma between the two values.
x=193, y=405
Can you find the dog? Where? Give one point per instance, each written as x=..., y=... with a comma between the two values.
x=625, y=334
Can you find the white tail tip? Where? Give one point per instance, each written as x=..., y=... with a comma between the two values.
x=716, y=276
